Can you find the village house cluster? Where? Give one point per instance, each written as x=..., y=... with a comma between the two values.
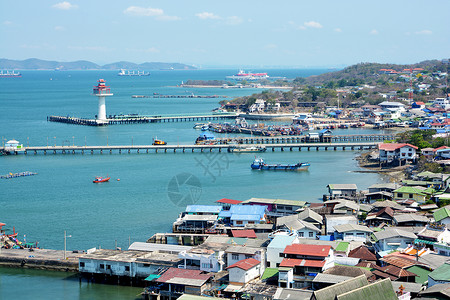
x=391, y=241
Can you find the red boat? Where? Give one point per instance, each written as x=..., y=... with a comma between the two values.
x=99, y=179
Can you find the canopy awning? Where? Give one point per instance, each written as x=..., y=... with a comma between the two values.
x=420, y=241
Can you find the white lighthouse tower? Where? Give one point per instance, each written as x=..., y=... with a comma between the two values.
x=101, y=91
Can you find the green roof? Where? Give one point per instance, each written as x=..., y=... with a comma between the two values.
x=378, y=290
x=269, y=272
x=330, y=292
x=422, y=274
x=342, y=246
x=441, y=214
x=417, y=182
x=409, y=190
x=152, y=276
x=442, y=273
x=419, y=241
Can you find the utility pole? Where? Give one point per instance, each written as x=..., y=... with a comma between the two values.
x=65, y=243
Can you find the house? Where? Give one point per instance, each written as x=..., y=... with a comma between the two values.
x=428, y=153
x=238, y=253
x=377, y=290
x=240, y=215
x=440, y=276
x=311, y=216
x=385, y=215
x=342, y=190
x=300, y=228
x=393, y=238
x=342, y=206
x=244, y=271
x=352, y=232
x=302, y=262
x=244, y=233
x=437, y=291
x=258, y=106
x=289, y=294
x=414, y=193
x=204, y=258
x=175, y=282
x=442, y=216
x=332, y=220
x=378, y=196
x=276, y=247
x=201, y=210
x=383, y=187
x=226, y=203
x=277, y=207
x=194, y=223
x=413, y=220
x=395, y=152
x=433, y=233
x=363, y=253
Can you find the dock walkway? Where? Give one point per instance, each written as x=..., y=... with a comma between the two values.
x=45, y=259
x=190, y=148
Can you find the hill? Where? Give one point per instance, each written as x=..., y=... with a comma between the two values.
x=39, y=64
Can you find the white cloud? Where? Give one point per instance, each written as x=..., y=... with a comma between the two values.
x=147, y=50
x=313, y=24
x=59, y=28
x=65, y=5
x=89, y=48
x=338, y=30
x=234, y=20
x=207, y=15
x=374, y=32
x=158, y=13
x=296, y=26
x=270, y=46
x=7, y=23
x=143, y=11
x=425, y=31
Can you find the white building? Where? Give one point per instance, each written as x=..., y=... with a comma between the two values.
x=244, y=271
x=202, y=259
x=258, y=106
x=238, y=253
x=277, y=246
x=390, y=152
x=393, y=238
x=333, y=220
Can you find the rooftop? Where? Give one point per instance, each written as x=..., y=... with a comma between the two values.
x=308, y=250
x=351, y=227
x=292, y=262
x=247, y=233
x=330, y=292
x=184, y=276
x=245, y=264
x=214, y=209
x=393, y=232
x=228, y=201
x=275, y=201
x=350, y=186
x=441, y=214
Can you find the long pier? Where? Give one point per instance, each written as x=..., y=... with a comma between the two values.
x=189, y=148
x=136, y=119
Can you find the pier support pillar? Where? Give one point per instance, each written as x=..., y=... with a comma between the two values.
x=45, y=152
x=147, y=150
x=343, y=148
x=110, y=151
x=92, y=152
x=183, y=149
x=54, y=151
x=120, y=151
x=129, y=151
x=273, y=149
x=317, y=148
x=137, y=150
x=174, y=150
x=165, y=150
x=35, y=152
x=335, y=148
x=290, y=148
x=82, y=151
x=73, y=151
x=282, y=149
x=101, y=151
x=308, y=149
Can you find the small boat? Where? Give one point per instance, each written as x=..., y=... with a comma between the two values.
x=259, y=164
x=248, y=149
x=99, y=179
x=157, y=142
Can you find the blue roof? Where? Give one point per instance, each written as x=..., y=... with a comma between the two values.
x=325, y=130
x=240, y=217
x=281, y=241
x=215, y=209
x=225, y=214
x=246, y=212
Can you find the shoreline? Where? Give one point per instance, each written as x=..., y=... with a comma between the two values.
x=234, y=87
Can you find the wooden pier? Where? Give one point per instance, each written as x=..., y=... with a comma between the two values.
x=136, y=119
x=110, y=149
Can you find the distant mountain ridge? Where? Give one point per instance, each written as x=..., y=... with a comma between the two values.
x=39, y=64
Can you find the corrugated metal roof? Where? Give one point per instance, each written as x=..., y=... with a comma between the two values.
x=215, y=209
x=393, y=232
x=330, y=278
x=352, y=227
x=330, y=292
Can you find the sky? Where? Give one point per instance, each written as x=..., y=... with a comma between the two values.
x=212, y=33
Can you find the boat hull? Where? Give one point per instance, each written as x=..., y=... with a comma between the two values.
x=101, y=180
x=280, y=167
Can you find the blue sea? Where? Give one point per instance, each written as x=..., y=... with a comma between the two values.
x=62, y=196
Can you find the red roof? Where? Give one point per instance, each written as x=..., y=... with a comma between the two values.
x=183, y=273
x=292, y=262
x=245, y=264
x=307, y=250
x=362, y=253
x=420, y=103
x=228, y=201
x=247, y=233
x=394, y=146
x=441, y=147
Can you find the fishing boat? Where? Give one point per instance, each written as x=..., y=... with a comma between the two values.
x=200, y=125
x=259, y=164
x=157, y=142
x=248, y=149
x=99, y=179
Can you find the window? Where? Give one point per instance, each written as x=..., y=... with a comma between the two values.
x=239, y=222
x=207, y=266
x=251, y=222
x=102, y=266
x=247, y=256
x=411, y=196
x=108, y=267
x=400, y=195
x=81, y=264
x=311, y=234
x=300, y=234
x=146, y=265
x=127, y=268
x=235, y=256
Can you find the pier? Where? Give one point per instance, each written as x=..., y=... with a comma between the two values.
x=136, y=119
x=110, y=149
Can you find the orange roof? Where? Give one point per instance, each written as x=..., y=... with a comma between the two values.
x=292, y=262
x=245, y=264
x=245, y=233
x=228, y=201
x=307, y=250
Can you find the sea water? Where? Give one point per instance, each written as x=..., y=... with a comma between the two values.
x=153, y=188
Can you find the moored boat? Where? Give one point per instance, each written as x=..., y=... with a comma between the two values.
x=248, y=149
x=99, y=179
x=259, y=164
x=157, y=142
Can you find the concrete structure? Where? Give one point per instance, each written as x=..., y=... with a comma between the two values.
x=352, y=232
x=102, y=91
x=332, y=220
x=244, y=271
x=342, y=190
x=276, y=247
x=394, y=152
x=393, y=238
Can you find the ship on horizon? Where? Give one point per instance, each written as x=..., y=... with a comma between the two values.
x=7, y=73
x=124, y=72
x=242, y=75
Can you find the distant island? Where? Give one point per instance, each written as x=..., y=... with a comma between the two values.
x=39, y=64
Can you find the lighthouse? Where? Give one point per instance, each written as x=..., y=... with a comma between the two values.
x=101, y=91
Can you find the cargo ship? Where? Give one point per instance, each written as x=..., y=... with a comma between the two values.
x=259, y=164
x=124, y=72
x=10, y=74
x=242, y=75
